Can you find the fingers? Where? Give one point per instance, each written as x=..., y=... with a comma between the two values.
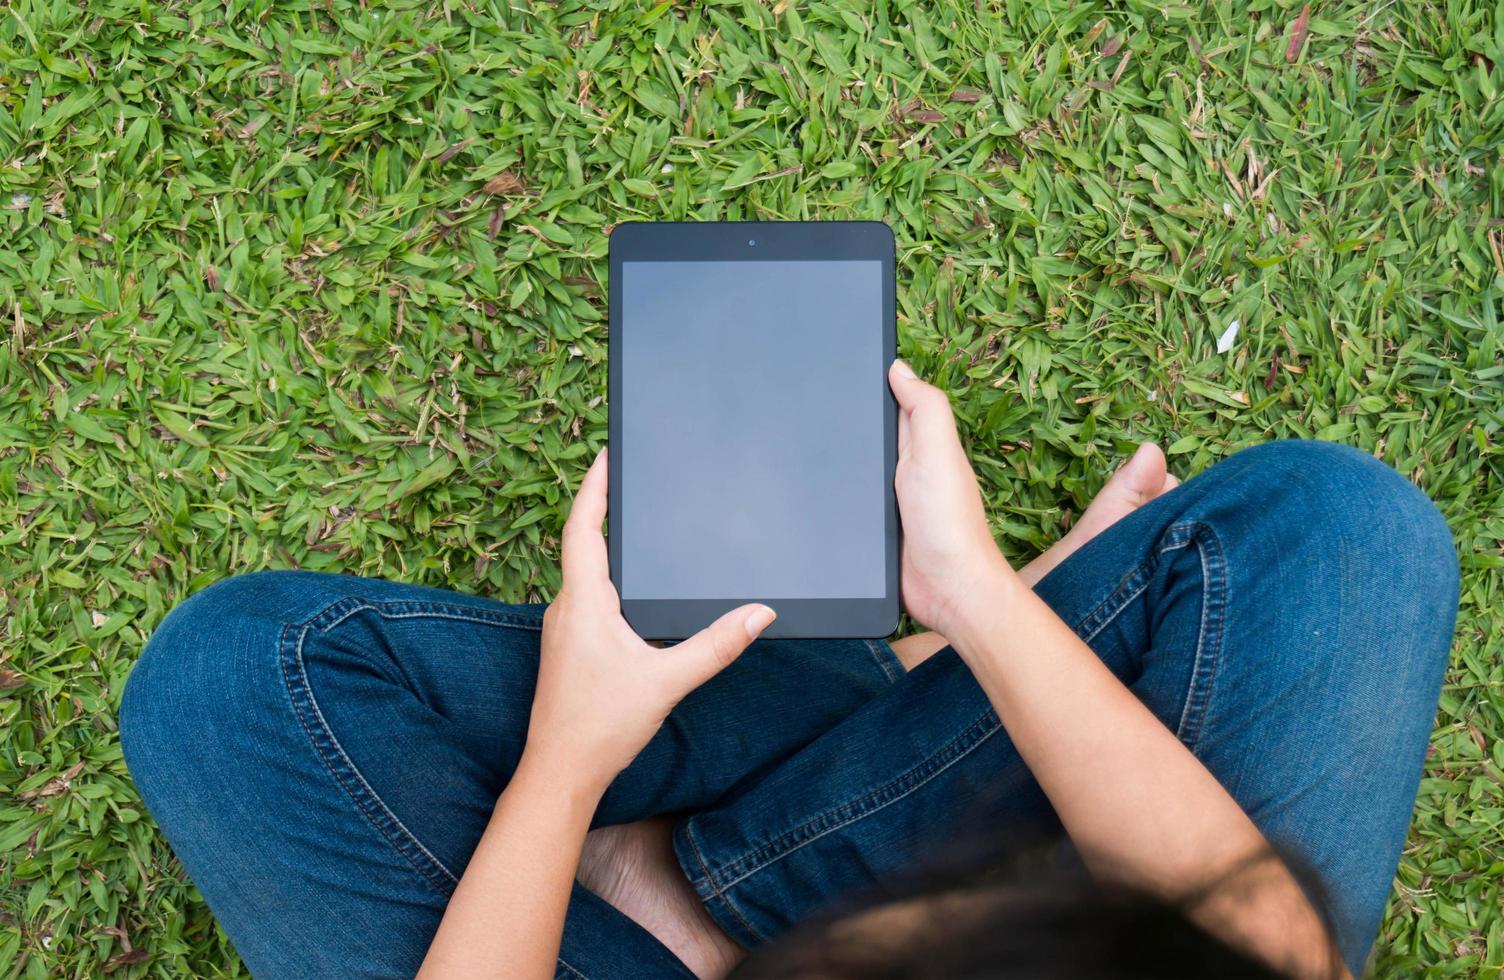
x=583, y=551
x=927, y=407
x=711, y=650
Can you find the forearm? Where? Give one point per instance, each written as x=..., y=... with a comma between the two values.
x=1139, y=807
x=506, y=917
x=601, y=695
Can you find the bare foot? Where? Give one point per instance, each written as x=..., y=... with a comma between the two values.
x=633, y=867
x=1136, y=482
x=916, y=648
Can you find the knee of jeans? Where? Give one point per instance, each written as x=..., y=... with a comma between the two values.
x=1369, y=502
x=183, y=684
x=1359, y=515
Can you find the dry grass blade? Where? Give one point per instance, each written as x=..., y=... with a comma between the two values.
x=1298, y=32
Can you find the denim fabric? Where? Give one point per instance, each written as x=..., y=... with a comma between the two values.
x=323, y=752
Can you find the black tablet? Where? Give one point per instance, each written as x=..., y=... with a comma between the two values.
x=753, y=435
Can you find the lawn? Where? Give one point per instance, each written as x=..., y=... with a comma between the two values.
x=320, y=285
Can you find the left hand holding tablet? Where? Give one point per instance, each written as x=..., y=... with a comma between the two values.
x=603, y=691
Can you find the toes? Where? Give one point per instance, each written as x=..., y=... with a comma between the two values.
x=1143, y=477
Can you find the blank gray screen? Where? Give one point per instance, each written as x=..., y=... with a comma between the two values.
x=751, y=409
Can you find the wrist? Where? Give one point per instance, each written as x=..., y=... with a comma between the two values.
x=570, y=782
x=985, y=608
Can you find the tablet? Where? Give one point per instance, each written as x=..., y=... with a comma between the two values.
x=753, y=436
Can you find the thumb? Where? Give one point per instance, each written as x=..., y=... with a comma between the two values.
x=928, y=408
x=712, y=650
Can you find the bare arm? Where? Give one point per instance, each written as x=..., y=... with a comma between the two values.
x=507, y=915
x=1140, y=808
x=602, y=693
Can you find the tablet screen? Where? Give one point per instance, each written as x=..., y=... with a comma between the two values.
x=752, y=428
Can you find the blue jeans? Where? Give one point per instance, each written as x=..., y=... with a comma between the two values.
x=323, y=752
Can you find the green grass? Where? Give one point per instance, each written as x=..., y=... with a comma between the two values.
x=320, y=285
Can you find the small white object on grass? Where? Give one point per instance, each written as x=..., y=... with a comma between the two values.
x=1228, y=338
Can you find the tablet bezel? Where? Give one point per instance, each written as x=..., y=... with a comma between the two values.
x=774, y=241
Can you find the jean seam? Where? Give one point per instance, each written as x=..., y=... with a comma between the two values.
x=886, y=660
x=844, y=814
x=1130, y=587
x=1122, y=604
x=415, y=609
x=1214, y=588
x=572, y=970
x=343, y=770
x=341, y=767
x=716, y=892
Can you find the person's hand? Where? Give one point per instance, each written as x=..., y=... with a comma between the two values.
x=602, y=690
x=949, y=559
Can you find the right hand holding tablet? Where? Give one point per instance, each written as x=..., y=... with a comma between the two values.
x=949, y=558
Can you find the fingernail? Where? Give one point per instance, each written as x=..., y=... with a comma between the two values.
x=758, y=620
x=904, y=370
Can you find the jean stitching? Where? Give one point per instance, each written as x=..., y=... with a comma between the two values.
x=1141, y=572
x=571, y=969
x=1209, y=639
x=337, y=612
x=361, y=792
x=333, y=754
x=709, y=879
x=1117, y=609
x=343, y=769
x=884, y=662
x=1128, y=589
x=845, y=814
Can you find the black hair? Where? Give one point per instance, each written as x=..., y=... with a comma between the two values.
x=1025, y=918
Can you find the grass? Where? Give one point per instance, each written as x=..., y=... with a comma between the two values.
x=320, y=285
